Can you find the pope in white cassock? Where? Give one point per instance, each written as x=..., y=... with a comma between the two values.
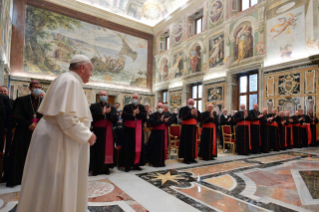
x=56, y=170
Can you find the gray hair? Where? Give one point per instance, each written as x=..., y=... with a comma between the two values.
x=147, y=104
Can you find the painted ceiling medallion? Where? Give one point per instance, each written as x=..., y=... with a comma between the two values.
x=151, y=10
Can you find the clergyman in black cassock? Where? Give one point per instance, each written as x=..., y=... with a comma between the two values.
x=296, y=129
x=312, y=120
x=208, y=142
x=158, y=142
x=5, y=114
x=102, y=152
x=273, y=130
x=288, y=131
x=243, y=143
x=282, y=130
x=133, y=148
x=188, y=144
x=254, y=116
x=25, y=113
x=303, y=128
x=264, y=132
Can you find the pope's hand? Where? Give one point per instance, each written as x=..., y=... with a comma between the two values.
x=108, y=110
x=92, y=139
x=32, y=126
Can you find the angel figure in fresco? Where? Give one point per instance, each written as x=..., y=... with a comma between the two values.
x=285, y=24
x=217, y=51
x=178, y=66
x=164, y=70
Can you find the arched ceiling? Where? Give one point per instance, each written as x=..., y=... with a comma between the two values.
x=148, y=12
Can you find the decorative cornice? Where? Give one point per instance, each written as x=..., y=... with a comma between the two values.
x=290, y=64
x=217, y=80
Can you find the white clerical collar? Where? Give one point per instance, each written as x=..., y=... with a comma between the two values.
x=77, y=76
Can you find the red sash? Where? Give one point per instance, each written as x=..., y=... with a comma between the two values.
x=137, y=125
x=108, y=140
x=291, y=135
x=246, y=123
x=211, y=125
x=190, y=122
x=307, y=126
x=257, y=123
x=273, y=124
x=163, y=127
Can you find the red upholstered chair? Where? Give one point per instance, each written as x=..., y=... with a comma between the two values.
x=228, y=138
x=174, y=136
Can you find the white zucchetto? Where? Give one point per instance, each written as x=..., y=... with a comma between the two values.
x=79, y=59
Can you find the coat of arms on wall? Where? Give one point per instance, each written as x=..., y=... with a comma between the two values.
x=289, y=84
x=289, y=104
x=215, y=94
x=175, y=99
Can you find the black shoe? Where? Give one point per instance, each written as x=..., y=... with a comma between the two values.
x=127, y=169
x=193, y=161
x=137, y=168
x=95, y=173
x=107, y=171
x=186, y=162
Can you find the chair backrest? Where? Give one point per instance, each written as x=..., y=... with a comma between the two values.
x=175, y=130
x=199, y=131
x=226, y=130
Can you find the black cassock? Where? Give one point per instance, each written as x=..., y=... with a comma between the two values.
x=208, y=142
x=254, y=131
x=128, y=151
x=242, y=134
x=23, y=111
x=295, y=132
x=313, y=121
x=303, y=132
x=156, y=147
x=10, y=127
x=264, y=130
x=98, y=150
x=187, y=149
x=288, y=132
x=273, y=133
x=5, y=114
x=282, y=137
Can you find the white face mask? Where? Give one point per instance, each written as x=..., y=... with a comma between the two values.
x=160, y=110
x=190, y=106
x=175, y=111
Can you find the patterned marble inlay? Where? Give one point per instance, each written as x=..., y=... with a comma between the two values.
x=97, y=189
x=224, y=181
x=311, y=179
x=274, y=158
x=217, y=200
x=213, y=169
x=110, y=208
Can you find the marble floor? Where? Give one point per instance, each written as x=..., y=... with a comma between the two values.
x=277, y=181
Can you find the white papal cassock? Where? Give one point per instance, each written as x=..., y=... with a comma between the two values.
x=56, y=171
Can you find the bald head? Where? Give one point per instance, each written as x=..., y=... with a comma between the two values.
x=281, y=113
x=300, y=111
x=296, y=113
x=255, y=106
x=287, y=113
x=210, y=107
x=190, y=102
x=159, y=105
x=274, y=111
x=242, y=107
x=165, y=107
x=225, y=111
x=103, y=93
x=265, y=111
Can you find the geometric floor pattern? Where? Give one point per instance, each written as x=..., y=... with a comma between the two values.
x=283, y=181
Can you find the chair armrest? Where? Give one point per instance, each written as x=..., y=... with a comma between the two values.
x=173, y=136
x=230, y=135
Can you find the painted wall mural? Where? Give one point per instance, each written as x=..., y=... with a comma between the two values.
x=178, y=68
x=289, y=104
x=286, y=36
x=215, y=94
x=244, y=42
x=117, y=58
x=215, y=13
x=216, y=51
x=5, y=31
x=175, y=99
x=177, y=33
x=195, y=58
